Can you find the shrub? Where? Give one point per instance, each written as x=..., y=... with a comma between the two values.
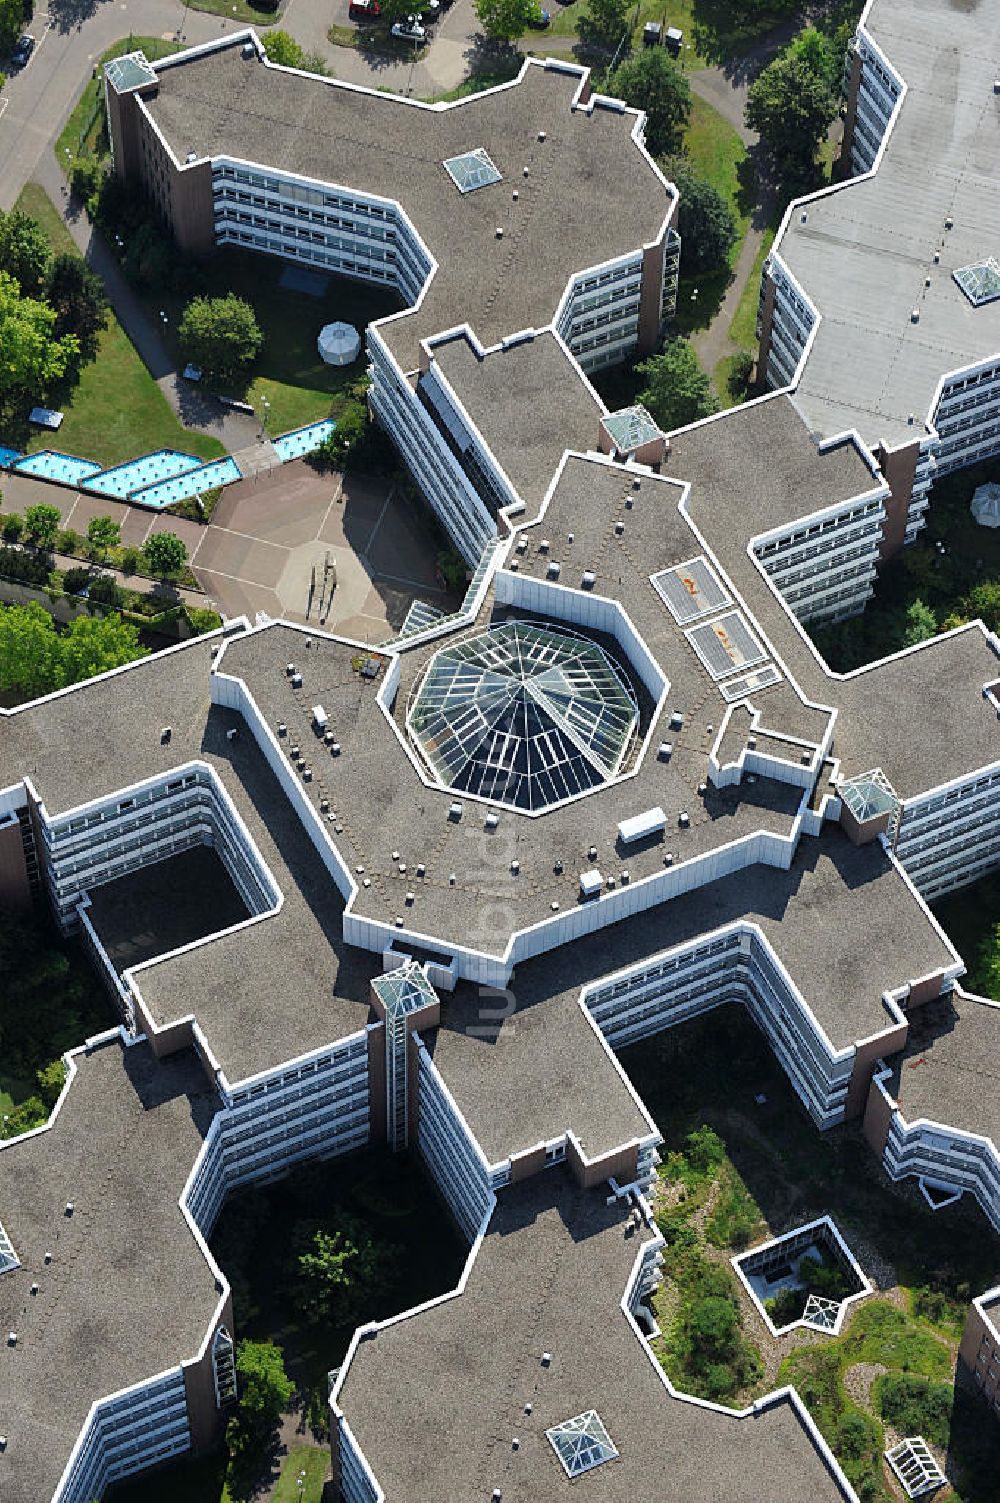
x=85, y=178
x=13, y=526
x=915, y=1406
x=785, y=1307
x=106, y=591
x=67, y=541
x=75, y=581
x=202, y=619
x=740, y=375
x=130, y=560
x=26, y=568
x=735, y=1217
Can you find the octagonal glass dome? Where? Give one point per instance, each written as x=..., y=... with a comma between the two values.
x=524, y=715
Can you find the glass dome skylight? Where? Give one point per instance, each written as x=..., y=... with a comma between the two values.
x=524, y=715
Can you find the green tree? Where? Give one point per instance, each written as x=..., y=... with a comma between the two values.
x=791, y=106
x=706, y=223
x=50, y=1080
x=984, y=602
x=339, y=1269
x=165, y=554
x=603, y=24
x=30, y=658
x=653, y=82
x=820, y=54
x=986, y=977
x=284, y=49
x=81, y=308
x=93, y=644
x=103, y=533
x=11, y=18
x=221, y=334
x=677, y=390
x=25, y=253
x=506, y=20
x=714, y=1323
x=42, y=521
x=265, y=1389
x=921, y=624
x=33, y=358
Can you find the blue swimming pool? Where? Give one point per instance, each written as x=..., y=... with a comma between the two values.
x=192, y=483
x=48, y=464
x=9, y=457
x=151, y=468
x=303, y=440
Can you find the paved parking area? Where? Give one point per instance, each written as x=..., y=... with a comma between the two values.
x=275, y=540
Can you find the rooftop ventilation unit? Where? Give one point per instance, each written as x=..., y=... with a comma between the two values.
x=642, y=826
x=247, y=50
x=320, y=717
x=232, y=734
x=192, y=156
x=296, y=681
x=165, y=735
x=589, y=579
x=591, y=883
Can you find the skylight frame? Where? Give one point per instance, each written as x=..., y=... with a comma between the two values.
x=130, y=71
x=8, y=1257
x=734, y=624
x=581, y=1443
x=472, y=170
x=631, y=427
x=708, y=587
x=980, y=281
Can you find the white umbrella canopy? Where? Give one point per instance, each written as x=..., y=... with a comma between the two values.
x=986, y=505
x=338, y=344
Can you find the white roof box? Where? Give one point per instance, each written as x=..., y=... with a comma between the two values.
x=641, y=826
x=320, y=717
x=591, y=883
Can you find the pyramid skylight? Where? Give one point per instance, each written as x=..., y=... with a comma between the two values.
x=582, y=1443
x=8, y=1257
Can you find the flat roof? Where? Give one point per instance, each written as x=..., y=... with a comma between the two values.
x=530, y=401
x=128, y=1293
x=866, y=250
x=549, y=1277
x=219, y=103
x=948, y=1070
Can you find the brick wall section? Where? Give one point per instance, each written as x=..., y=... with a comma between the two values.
x=878, y=1117
x=842, y=166
x=898, y=466
x=622, y=1163
x=15, y=889
x=865, y=1058
x=764, y=342
x=204, y=1416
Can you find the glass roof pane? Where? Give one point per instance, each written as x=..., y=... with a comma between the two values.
x=690, y=590
x=869, y=795
x=630, y=428
x=8, y=1257
x=472, y=170
x=404, y=990
x=523, y=714
x=981, y=282
x=726, y=644
x=581, y=1443
x=129, y=71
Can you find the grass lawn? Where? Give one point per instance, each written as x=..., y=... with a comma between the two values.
x=315, y=1463
x=743, y=329
x=710, y=33
x=717, y=154
x=84, y=132
x=116, y=411
x=238, y=10
x=773, y=1163
x=289, y=371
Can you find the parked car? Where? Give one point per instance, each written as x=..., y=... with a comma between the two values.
x=364, y=10
x=540, y=20
x=410, y=30
x=25, y=47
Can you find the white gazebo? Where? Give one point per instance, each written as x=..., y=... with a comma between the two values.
x=986, y=505
x=338, y=344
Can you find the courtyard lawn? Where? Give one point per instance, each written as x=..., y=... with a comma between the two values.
x=289, y=371
x=116, y=411
x=718, y=155
x=968, y=917
x=315, y=1463
x=736, y=1171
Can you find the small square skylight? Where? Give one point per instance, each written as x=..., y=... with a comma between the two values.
x=404, y=990
x=630, y=428
x=472, y=170
x=981, y=282
x=581, y=1443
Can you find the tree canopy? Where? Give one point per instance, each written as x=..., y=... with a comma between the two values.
x=791, y=104
x=42, y=521
x=677, y=390
x=506, y=20
x=706, y=223
x=338, y=1270
x=11, y=19
x=25, y=253
x=103, y=533
x=264, y=1386
x=76, y=293
x=653, y=82
x=220, y=334
x=33, y=357
x=603, y=23
x=35, y=658
x=166, y=554
x=921, y=624
x=282, y=48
